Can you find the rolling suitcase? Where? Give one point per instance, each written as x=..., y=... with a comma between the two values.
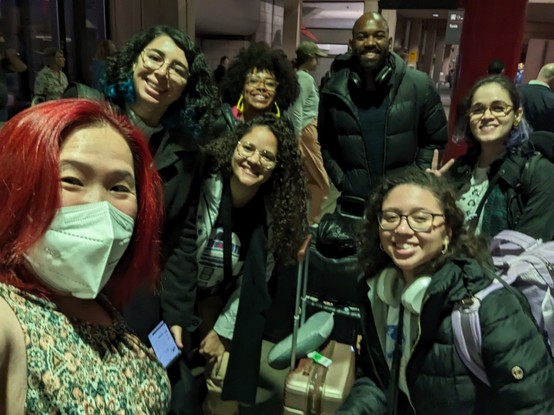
x=312, y=388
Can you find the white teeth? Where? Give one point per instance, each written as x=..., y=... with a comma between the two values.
x=405, y=246
x=154, y=87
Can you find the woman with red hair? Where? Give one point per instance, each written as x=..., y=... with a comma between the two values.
x=78, y=232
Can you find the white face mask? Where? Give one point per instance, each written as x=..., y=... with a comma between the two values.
x=81, y=248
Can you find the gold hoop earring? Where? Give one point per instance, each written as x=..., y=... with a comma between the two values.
x=277, y=110
x=240, y=104
x=516, y=123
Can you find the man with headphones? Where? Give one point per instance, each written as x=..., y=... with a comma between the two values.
x=375, y=114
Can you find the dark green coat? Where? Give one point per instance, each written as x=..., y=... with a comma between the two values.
x=438, y=381
x=525, y=182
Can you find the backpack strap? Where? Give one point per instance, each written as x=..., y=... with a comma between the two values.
x=512, y=242
x=466, y=327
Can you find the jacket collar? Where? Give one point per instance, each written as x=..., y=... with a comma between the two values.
x=342, y=67
x=459, y=278
x=508, y=166
x=172, y=147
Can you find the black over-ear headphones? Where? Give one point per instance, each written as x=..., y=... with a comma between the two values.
x=382, y=77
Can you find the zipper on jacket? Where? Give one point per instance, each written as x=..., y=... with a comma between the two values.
x=413, y=348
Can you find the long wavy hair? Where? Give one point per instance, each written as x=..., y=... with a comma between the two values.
x=260, y=56
x=193, y=110
x=30, y=191
x=462, y=242
x=286, y=189
x=518, y=136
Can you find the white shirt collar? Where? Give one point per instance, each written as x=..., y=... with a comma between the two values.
x=537, y=82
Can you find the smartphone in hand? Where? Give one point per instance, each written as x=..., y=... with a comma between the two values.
x=163, y=344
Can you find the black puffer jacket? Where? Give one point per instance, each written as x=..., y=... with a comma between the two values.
x=525, y=180
x=415, y=126
x=438, y=381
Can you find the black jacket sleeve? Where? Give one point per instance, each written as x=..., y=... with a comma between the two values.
x=537, y=218
x=433, y=133
x=517, y=360
x=328, y=141
x=178, y=291
x=364, y=398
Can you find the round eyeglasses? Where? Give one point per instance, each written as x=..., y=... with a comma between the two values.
x=418, y=221
x=154, y=60
x=268, y=83
x=247, y=150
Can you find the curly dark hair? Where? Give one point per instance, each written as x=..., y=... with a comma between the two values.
x=462, y=241
x=194, y=108
x=518, y=136
x=261, y=56
x=285, y=190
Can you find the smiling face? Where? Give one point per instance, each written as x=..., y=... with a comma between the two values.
x=258, y=92
x=159, y=76
x=249, y=172
x=492, y=116
x=408, y=249
x=370, y=41
x=96, y=164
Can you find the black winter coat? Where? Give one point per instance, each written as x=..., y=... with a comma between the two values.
x=179, y=161
x=414, y=127
x=438, y=381
x=525, y=180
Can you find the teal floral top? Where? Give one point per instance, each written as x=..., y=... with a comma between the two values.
x=74, y=367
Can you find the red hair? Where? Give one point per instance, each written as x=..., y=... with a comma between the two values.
x=30, y=191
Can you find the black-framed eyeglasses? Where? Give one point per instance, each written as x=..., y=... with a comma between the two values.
x=419, y=221
x=246, y=149
x=497, y=109
x=154, y=60
x=253, y=81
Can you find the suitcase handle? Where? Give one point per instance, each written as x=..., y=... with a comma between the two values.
x=301, y=287
x=303, y=248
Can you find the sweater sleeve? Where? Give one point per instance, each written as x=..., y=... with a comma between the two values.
x=297, y=110
x=517, y=361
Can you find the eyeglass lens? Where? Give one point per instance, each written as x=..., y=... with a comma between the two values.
x=247, y=150
x=417, y=221
x=154, y=60
x=268, y=83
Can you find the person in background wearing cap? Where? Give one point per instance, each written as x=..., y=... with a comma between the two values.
x=376, y=115
x=303, y=115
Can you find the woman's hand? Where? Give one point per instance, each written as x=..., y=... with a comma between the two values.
x=212, y=347
x=177, y=332
x=182, y=339
x=435, y=165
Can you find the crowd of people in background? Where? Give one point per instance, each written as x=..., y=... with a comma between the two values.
x=168, y=191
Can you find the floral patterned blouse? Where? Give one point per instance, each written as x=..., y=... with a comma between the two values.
x=49, y=84
x=74, y=367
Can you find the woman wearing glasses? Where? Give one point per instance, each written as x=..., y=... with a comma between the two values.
x=161, y=81
x=418, y=260
x=503, y=183
x=251, y=217
x=259, y=80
